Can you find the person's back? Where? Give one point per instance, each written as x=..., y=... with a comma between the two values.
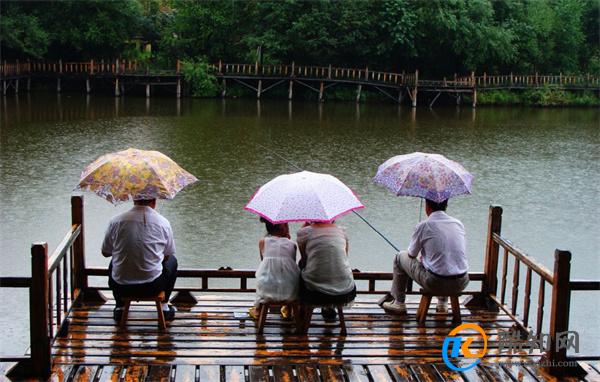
x=140, y=242
x=327, y=268
x=278, y=274
x=441, y=240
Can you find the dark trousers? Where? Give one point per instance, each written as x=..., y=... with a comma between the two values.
x=165, y=282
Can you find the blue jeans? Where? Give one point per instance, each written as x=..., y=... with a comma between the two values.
x=165, y=282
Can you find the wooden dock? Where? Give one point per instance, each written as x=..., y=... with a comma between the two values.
x=73, y=336
x=400, y=87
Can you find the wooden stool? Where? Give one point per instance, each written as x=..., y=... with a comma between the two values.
x=264, y=308
x=426, y=301
x=308, y=311
x=158, y=299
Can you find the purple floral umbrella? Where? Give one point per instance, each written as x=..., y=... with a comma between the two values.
x=429, y=176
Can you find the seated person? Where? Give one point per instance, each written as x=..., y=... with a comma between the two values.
x=140, y=242
x=443, y=267
x=278, y=274
x=326, y=277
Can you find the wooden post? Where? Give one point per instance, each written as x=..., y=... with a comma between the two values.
x=556, y=356
x=224, y=88
x=117, y=66
x=321, y=88
x=489, y=284
x=329, y=72
x=18, y=68
x=80, y=280
x=88, y=87
x=147, y=90
x=259, y=89
x=17, y=86
x=60, y=68
x=536, y=78
x=484, y=78
x=58, y=84
x=511, y=79
x=178, y=66
x=415, y=90
x=3, y=87
x=400, y=96
x=474, y=98
x=256, y=69
x=293, y=68
x=290, y=90
x=220, y=66
x=38, y=312
x=560, y=78
x=358, y=93
x=561, y=299
x=178, y=87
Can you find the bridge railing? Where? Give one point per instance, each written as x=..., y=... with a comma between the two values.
x=535, y=80
x=55, y=285
x=314, y=72
x=549, y=338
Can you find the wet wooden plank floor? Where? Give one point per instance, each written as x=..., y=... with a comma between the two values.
x=215, y=340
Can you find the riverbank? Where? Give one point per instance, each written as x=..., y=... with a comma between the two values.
x=546, y=96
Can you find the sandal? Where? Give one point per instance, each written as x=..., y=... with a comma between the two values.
x=252, y=313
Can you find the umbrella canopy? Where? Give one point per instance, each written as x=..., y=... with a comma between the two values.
x=429, y=176
x=303, y=196
x=136, y=174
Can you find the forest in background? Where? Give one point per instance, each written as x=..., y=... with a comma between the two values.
x=438, y=37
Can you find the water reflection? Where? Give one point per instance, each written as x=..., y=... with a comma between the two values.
x=540, y=164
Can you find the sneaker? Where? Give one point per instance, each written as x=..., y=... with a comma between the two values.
x=170, y=314
x=394, y=307
x=329, y=314
x=441, y=307
x=117, y=314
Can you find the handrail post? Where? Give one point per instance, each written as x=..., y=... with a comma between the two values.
x=561, y=299
x=38, y=311
x=489, y=285
x=555, y=359
x=79, y=274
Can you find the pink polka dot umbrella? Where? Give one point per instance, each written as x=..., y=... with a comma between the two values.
x=303, y=196
x=429, y=176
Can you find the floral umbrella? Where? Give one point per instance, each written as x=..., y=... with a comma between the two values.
x=136, y=174
x=303, y=196
x=429, y=176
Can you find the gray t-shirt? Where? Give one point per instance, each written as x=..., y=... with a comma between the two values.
x=327, y=268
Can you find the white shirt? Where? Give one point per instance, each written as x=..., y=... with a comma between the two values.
x=441, y=240
x=138, y=241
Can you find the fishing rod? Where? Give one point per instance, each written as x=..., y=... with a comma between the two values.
x=353, y=211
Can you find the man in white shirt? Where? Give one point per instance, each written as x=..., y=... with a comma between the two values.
x=443, y=267
x=140, y=242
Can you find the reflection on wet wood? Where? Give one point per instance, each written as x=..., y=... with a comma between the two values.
x=215, y=340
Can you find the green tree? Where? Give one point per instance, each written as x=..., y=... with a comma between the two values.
x=21, y=33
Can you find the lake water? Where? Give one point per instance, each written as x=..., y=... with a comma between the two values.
x=541, y=165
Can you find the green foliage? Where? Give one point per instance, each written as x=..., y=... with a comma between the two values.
x=21, y=33
x=545, y=96
x=438, y=37
x=202, y=81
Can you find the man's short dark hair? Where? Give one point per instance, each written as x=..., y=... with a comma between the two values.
x=434, y=206
x=143, y=202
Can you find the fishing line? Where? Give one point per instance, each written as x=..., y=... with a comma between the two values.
x=354, y=212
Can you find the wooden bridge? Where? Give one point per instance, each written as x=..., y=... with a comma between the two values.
x=263, y=78
x=74, y=338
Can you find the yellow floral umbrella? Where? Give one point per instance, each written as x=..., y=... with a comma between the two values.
x=136, y=174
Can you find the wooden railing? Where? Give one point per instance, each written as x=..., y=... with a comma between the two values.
x=558, y=280
x=92, y=67
x=54, y=287
x=314, y=72
x=536, y=80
